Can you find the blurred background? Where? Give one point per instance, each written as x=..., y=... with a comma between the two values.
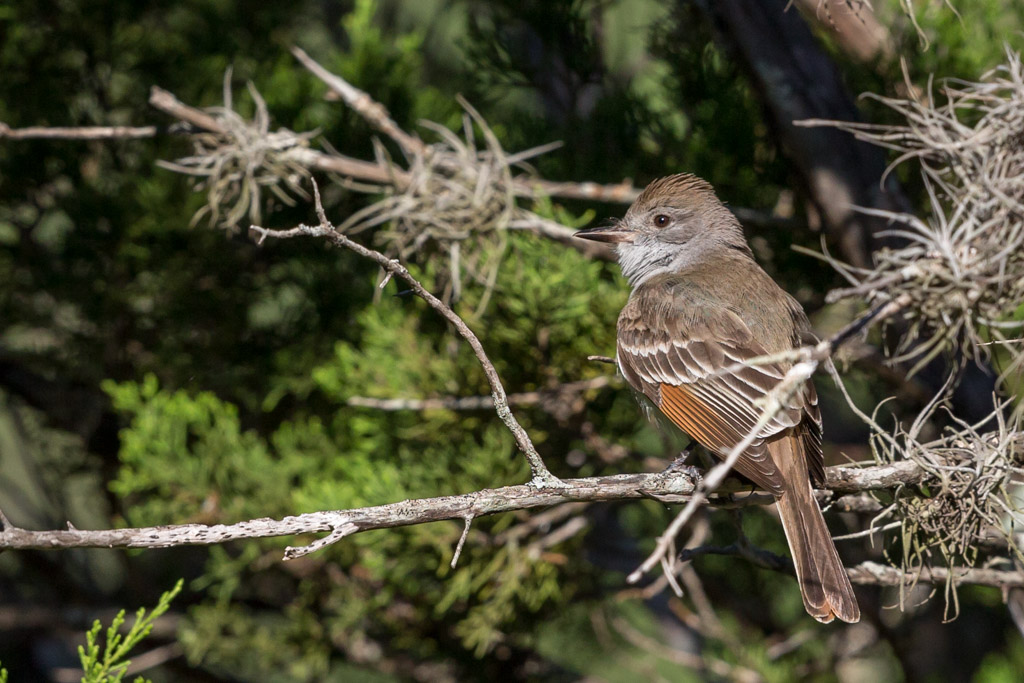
x=157, y=370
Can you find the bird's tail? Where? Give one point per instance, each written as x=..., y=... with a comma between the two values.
x=823, y=581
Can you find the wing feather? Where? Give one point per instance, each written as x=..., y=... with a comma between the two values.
x=677, y=362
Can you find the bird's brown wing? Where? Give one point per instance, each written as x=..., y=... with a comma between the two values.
x=677, y=362
x=811, y=434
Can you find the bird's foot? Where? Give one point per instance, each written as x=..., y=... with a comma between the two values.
x=680, y=466
x=680, y=469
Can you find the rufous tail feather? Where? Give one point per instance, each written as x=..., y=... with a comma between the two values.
x=824, y=584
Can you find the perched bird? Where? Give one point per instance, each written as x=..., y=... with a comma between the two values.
x=700, y=304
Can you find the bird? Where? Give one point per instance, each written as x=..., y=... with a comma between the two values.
x=701, y=306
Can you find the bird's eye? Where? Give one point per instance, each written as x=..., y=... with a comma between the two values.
x=661, y=220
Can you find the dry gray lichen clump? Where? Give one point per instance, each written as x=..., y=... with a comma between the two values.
x=964, y=266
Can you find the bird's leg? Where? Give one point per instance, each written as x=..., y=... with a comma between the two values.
x=736, y=515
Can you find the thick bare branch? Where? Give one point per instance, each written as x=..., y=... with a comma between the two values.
x=873, y=573
x=672, y=485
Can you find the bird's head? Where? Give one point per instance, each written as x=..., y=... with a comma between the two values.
x=676, y=221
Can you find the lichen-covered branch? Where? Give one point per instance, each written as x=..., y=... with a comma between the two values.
x=669, y=485
x=875, y=574
x=672, y=485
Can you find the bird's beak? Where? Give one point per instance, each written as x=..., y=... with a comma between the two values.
x=614, y=234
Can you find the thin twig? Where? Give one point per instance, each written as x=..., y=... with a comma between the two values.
x=462, y=541
x=538, y=521
x=76, y=133
x=870, y=531
x=363, y=104
x=479, y=402
x=542, y=477
x=563, y=533
x=758, y=556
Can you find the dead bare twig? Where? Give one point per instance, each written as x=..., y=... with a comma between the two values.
x=242, y=159
x=76, y=133
x=542, y=477
x=364, y=105
x=480, y=402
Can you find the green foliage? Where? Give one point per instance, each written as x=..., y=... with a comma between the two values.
x=250, y=644
x=230, y=367
x=967, y=42
x=753, y=172
x=367, y=457
x=183, y=453
x=623, y=651
x=3, y=675
x=1004, y=666
x=109, y=664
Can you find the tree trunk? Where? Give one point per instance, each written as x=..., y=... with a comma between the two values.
x=796, y=80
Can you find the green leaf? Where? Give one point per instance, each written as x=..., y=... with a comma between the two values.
x=110, y=664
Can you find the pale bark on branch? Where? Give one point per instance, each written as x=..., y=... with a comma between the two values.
x=671, y=485
x=76, y=133
x=479, y=402
x=875, y=574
